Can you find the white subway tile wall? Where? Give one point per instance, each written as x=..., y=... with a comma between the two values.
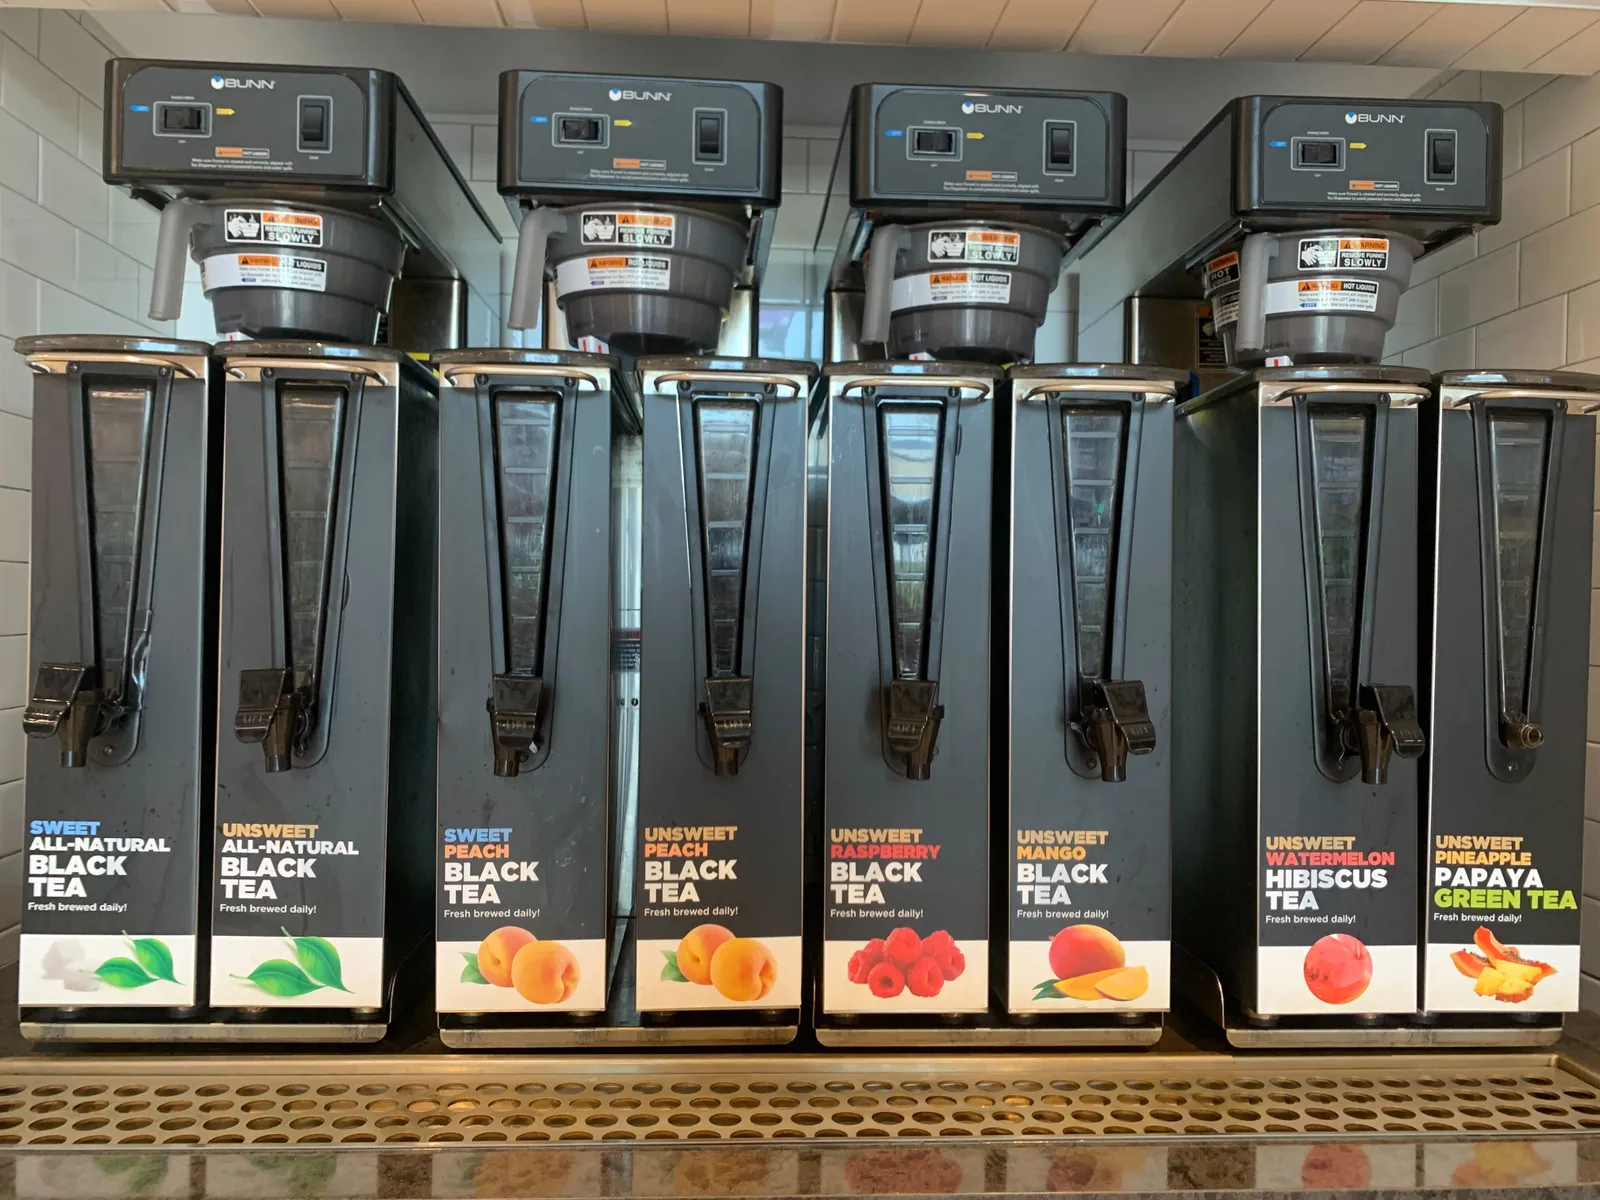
x=1527, y=294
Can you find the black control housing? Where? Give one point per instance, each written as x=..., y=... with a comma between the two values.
x=571, y=135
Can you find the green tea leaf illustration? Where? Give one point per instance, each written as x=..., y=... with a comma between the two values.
x=280, y=977
x=670, y=972
x=123, y=973
x=318, y=959
x=470, y=972
x=153, y=956
x=1047, y=991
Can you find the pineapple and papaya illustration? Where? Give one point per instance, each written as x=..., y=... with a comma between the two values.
x=1498, y=970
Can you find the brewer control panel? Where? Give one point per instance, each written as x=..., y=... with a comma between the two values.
x=177, y=122
x=939, y=146
x=571, y=135
x=1365, y=156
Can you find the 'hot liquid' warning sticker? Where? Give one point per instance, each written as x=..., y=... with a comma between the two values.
x=951, y=287
x=1343, y=254
x=1320, y=295
x=651, y=230
x=974, y=245
x=293, y=271
x=634, y=272
x=1220, y=272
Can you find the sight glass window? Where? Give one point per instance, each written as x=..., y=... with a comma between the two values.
x=118, y=418
x=1094, y=440
x=726, y=431
x=910, y=436
x=1341, y=463
x=1519, y=452
x=310, y=427
x=525, y=428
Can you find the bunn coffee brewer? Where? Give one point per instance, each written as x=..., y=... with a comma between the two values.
x=1297, y=576
x=303, y=193
x=963, y=205
x=646, y=203
x=1507, y=542
x=120, y=708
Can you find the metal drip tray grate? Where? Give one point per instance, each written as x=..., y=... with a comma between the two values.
x=356, y=1101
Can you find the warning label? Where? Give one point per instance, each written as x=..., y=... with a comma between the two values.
x=1344, y=254
x=264, y=270
x=631, y=272
x=974, y=245
x=273, y=226
x=1320, y=295
x=654, y=231
x=1221, y=271
x=1227, y=307
x=951, y=287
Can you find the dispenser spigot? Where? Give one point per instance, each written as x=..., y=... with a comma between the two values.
x=1383, y=724
x=514, y=706
x=269, y=707
x=913, y=724
x=1118, y=723
x=730, y=719
x=1519, y=733
x=64, y=705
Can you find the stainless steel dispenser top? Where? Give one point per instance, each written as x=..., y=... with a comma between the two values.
x=302, y=192
x=1298, y=217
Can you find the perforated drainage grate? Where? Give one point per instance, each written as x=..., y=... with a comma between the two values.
x=500, y=1100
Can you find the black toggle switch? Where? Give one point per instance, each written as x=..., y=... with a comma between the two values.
x=708, y=138
x=580, y=130
x=933, y=143
x=183, y=120
x=1059, y=146
x=315, y=134
x=1319, y=154
x=1441, y=157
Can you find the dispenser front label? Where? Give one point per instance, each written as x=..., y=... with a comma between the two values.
x=951, y=287
x=631, y=272
x=1343, y=254
x=275, y=226
x=515, y=929
x=651, y=230
x=292, y=271
x=974, y=245
x=905, y=930
x=1320, y=295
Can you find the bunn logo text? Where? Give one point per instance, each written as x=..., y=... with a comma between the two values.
x=1361, y=118
x=627, y=94
x=227, y=81
x=968, y=106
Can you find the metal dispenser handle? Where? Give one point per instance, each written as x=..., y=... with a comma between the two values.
x=269, y=709
x=1255, y=255
x=538, y=226
x=172, y=249
x=514, y=704
x=1384, y=724
x=912, y=729
x=64, y=704
x=1118, y=723
x=729, y=712
x=887, y=242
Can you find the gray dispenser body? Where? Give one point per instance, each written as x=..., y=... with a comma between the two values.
x=326, y=671
x=1089, y=706
x=303, y=192
x=1295, y=661
x=525, y=692
x=120, y=657
x=1509, y=469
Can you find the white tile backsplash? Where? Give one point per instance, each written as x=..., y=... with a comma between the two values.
x=1484, y=288
x=38, y=97
x=72, y=53
x=1531, y=338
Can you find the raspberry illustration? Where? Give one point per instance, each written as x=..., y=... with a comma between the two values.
x=951, y=961
x=859, y=965
x=886, y=980
x=904, y=947
x=876, y=950
x=937, y=942
x=926, y=977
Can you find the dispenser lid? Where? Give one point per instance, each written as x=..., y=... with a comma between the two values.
x=940, y=369
x=102, y=343
x=294, y=348
x=505, y=357
x=1576, y=380
x=764, y=366
x=1112, y=372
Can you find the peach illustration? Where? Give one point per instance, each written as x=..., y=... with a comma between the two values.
x=545, y=972
x=1084, y=949
x=697, y=948
x=497, y=951
x=1338, y=969
x=743, y=969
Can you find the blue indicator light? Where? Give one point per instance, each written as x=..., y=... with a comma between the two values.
x=140, y=107
x=894, y=133
x=1280, y=145
x=540, y=120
